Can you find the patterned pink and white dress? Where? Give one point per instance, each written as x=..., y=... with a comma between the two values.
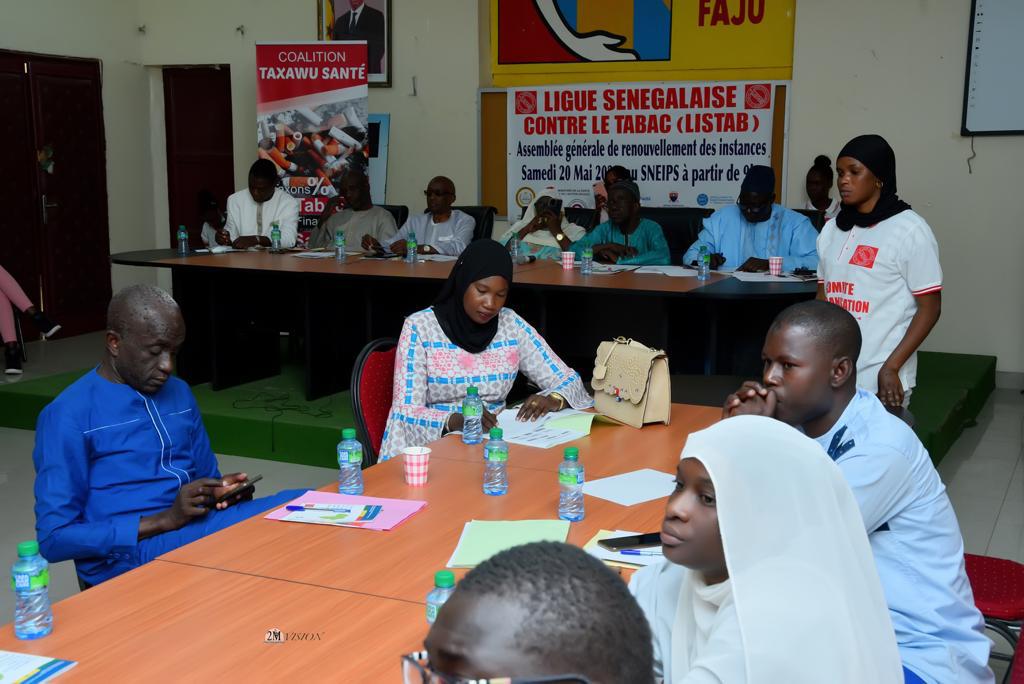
x=432, y=374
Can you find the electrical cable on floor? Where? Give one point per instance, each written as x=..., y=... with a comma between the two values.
x=280, y=403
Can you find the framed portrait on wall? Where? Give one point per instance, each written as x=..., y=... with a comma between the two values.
x=368, y=20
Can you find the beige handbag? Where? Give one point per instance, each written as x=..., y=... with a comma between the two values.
x=631, y=383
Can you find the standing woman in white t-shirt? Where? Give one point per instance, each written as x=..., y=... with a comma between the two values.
x=878, y=259
x=819, y=185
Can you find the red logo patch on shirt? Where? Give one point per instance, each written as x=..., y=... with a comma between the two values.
x=864, y=256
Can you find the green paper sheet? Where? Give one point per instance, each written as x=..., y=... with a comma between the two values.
x=481, y=539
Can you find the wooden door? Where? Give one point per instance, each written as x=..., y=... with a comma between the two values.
x=19, y=222
x=67, y=115
x=197, y=107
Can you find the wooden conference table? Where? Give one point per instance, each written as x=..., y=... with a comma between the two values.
x=339, y=307
x=357, y=596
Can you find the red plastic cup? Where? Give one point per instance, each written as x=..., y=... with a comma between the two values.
x=417, y=464
x=775, y=265
x=568, y=260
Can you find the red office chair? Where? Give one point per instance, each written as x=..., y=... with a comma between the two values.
x=998, y=586
x=371, y=388
x=1015, y=673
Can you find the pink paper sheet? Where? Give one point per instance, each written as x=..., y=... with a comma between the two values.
x=393, y=511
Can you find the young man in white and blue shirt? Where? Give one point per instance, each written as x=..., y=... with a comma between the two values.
x=810, y=359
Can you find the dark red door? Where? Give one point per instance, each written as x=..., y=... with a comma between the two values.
x=68, y=119
x=19, y=222
x=197, y=106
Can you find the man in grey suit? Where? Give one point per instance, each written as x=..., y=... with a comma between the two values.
x=363, y=23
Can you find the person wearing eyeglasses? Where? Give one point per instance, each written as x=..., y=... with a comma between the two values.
x=441, y=230
x=536, y=613
x=742, y=236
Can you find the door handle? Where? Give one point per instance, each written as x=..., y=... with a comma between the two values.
x=47, y=205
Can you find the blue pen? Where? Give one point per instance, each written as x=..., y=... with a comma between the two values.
x=320, y=507
x=638, y=552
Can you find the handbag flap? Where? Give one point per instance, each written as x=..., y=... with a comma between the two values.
x=622, y=369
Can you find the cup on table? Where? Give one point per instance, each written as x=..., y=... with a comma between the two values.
x=775, y=265
x=568, y=260
x=417, y=463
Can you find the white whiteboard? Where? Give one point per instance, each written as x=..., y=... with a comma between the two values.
x=994, y=85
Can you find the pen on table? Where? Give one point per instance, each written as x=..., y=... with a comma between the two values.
x=640, y=552
x=318, y=507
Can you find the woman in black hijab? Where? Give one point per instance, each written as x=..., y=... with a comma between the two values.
x=469, y=338
x=879, y=260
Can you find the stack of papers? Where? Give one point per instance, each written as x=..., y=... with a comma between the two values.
x=30, y=669
x=346, y=510
x=549, y=430
x=641, y=557
x=632, y=488
x=674, y=271
x=435, y=257
x=481, y=539
x=612, y=268
x=764, y=277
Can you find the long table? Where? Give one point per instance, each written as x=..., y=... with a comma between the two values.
x=339, y=306
x=357, y=596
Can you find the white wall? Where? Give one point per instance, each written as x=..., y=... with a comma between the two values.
x=897, y=69
x=432, y=132
x=104, y=30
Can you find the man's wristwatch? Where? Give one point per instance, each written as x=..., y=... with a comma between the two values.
x=560, y=237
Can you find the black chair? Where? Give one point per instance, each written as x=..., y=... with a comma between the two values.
x=399, y=211
x=20, y=337
x=581, y=216
x=484, y=217
x=681, y=225
x=817, y=217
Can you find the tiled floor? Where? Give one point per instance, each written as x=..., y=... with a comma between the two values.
x=984, y=472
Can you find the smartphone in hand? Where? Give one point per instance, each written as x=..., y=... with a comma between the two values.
x=242, y=489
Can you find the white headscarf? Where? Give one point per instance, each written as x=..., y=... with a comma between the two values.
x=802, y=577
x=544, y=238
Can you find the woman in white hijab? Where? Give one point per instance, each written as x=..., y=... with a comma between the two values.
x=768, y=575
x=542, y=232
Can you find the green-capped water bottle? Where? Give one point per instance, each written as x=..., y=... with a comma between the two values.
x=410, y=249
x=339, y=245
x=275, y=237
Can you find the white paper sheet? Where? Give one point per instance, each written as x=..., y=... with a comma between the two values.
x=629, y=489
x=513, y=429
x=647, y=556
x=435, y=257
x=605, y=269
x=673, y=271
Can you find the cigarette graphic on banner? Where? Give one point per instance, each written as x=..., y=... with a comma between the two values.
x=311, y=113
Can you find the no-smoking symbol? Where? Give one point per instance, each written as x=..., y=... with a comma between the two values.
x=526, y=102
x=758, y=96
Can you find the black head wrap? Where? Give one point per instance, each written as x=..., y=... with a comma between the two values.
x=759, y=179
x=873, y=152
x=482, y=259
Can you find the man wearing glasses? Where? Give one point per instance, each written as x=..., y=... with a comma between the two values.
x=540, y=612
x=441, y=230
x=742, y=236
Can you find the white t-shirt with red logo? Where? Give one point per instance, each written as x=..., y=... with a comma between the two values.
x=875, y=273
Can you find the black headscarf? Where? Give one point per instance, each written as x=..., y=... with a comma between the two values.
x=873, y=152
x=482, y=259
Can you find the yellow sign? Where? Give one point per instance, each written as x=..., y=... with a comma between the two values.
x=538, y=42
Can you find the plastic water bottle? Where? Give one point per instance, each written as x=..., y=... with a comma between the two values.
x=513, y=247
x=704, y=264
x=472, y=417
x=570, y=481
x=350, y=463
x=496, y=468
x=339, y=246
x=275, y=237
x=444, y=585
x=182, y=241
x=410, y=249
x=587, y=261
x=30, y=579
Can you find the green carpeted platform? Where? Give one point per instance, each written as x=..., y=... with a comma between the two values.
x=267, y=419
x=271, y=419
x=951, y=390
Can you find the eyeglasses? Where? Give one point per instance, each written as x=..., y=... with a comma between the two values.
x=437, y=193
x=416, y=669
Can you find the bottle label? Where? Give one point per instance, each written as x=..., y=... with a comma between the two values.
x=497, y=455
x=21, y=581
x=350, y=455
x=470, y=411
x=339, y=240
x=570, y=479
x=588, y=253
x=431, y=612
